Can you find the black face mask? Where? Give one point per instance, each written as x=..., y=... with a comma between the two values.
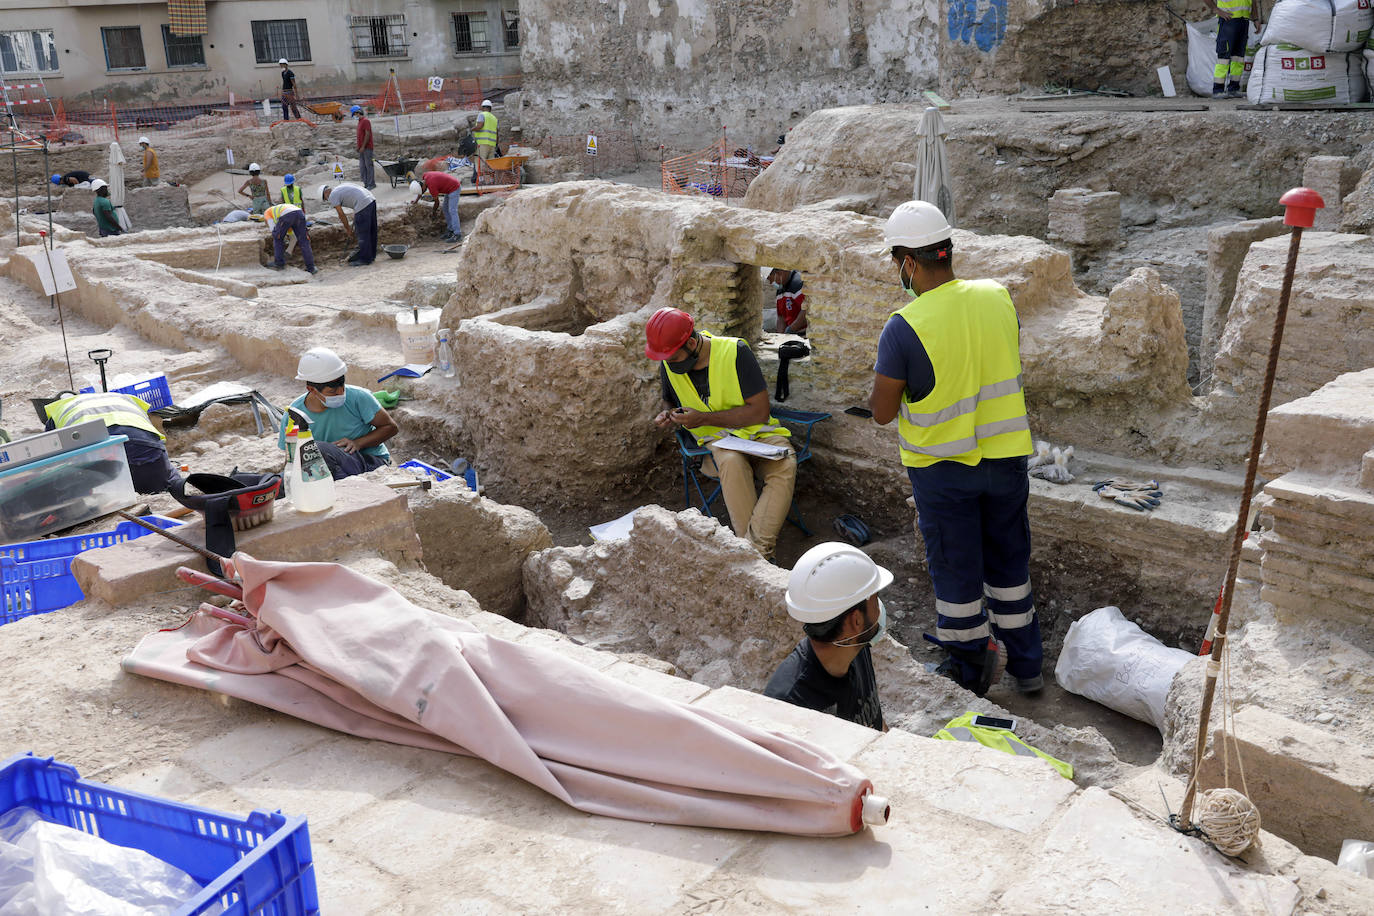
x=684, y=365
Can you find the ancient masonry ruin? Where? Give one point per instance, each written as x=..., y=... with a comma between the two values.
x=1146, y=308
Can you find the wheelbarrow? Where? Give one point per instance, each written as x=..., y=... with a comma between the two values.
x=333, y=110
x=398, y=171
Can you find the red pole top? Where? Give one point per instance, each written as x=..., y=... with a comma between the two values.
x=1300, y=207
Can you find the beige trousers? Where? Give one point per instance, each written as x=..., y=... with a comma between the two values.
x=486, y=150
x=757, y=519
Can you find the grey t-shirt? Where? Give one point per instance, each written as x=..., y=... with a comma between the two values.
x=350, y=196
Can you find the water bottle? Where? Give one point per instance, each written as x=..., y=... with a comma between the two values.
x=443, y=356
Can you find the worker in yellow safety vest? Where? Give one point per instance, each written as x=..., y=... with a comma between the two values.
x=485, y=131
x=713, y=388
x=949, y=371
x=291, y=192
x=1233, y=29
x=123, y=415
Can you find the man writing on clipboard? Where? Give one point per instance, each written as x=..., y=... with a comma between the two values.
x=713, y=387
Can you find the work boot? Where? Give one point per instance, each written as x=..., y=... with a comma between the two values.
x=1030, y=684
x=1233, y=91
x=990, y=660
x=1218, y=91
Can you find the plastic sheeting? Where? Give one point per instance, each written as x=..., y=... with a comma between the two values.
x=334, y=647
x=1108, y=659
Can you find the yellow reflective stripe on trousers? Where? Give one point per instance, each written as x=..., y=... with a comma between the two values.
x=959, y=408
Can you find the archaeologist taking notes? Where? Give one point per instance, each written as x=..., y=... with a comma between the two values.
x=346, y=421
x=949, y=371
x=713, y=388
x=833, y=592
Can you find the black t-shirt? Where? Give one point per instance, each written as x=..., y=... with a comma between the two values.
x=746, y=367
x=288, y=80
x=802, y=680
x=79, y=174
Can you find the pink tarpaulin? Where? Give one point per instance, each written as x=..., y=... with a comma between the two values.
x=334, y=647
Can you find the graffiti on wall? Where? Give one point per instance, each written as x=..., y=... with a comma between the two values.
x=982, y=23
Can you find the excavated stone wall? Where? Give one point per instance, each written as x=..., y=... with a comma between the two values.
x=161, y=207
x=1005, y=164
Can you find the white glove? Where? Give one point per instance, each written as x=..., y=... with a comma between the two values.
x=1042, y=456
x=1057, y=471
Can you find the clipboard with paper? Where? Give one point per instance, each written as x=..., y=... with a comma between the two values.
x=751, y=447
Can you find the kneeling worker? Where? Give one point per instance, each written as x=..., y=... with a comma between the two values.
x=713, y=387
x=346, y=421
x=833, y=591
x=123, y=415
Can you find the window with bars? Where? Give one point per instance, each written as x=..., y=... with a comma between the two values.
x=274, y=39
x=29, y=51
x=510, y=27
x=182, y=51
x=123, y=48
x=379, y=36
x=470, y=33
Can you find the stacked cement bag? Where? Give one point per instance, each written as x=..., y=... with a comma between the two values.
x=1202, y=55
x=1311, y=52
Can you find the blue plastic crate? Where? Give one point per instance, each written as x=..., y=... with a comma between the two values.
x=260, y=865
x=36, y=577
x=153, y=389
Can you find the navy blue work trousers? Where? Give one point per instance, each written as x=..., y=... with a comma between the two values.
x=977, y=535
x=365, y=228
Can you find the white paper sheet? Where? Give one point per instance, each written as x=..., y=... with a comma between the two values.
x=617, y=530
x=750, y=447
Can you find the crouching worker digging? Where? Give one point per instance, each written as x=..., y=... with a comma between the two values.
x=347, y=422
x=833, y=592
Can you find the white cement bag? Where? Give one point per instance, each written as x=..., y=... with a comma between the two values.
x=1369, y=71
x=1108, y=659
x=1320, y=25
x=1202, y=55
x=1283, y=73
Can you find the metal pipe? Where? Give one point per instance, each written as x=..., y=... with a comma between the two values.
x=207, y=554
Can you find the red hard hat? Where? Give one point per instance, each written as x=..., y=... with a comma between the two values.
x=668, y=329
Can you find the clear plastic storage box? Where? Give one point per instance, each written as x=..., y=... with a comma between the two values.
x=56, y=493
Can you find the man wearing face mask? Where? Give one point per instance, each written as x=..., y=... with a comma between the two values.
x=346, y=421
x=833, y=592
x=949, y=369
x=713, y=387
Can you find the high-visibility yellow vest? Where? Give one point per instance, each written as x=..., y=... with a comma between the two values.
x=272, y=214
x=723, y=381
x=963, y=729
x=487, y=132
x=977, y=409
x=1239, y=9
x=291, y=194
x=114, y=408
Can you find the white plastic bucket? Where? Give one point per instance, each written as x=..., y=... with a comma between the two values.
x=418, y=337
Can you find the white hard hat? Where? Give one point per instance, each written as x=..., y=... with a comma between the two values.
x=97, y=184
x=323, y=189
x=145, y=140
x=486, y=103
x=916, y=224
x=416, y=187
x=831, y=578
x=254, y=167
x=320, y=364
x=282, y=61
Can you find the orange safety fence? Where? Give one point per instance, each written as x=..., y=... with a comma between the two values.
x=716, y=171
x=413, y=95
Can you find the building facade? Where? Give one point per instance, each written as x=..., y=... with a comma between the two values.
x=90, y=51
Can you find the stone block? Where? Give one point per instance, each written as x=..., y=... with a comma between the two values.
x=1311, y=784
x=1325, y=433
x=1357, y=214
x=1226, y=250
x=1333, y=177
x=1084, y=217
x=366, y=517
x=236, y=755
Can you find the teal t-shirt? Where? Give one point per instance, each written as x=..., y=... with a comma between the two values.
x=105, y=216
x=353, y=420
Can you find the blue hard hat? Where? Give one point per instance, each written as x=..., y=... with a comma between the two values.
x=355, y=109
x=57, y=179
x=288, y=179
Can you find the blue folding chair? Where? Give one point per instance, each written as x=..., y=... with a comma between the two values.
x=693, y=455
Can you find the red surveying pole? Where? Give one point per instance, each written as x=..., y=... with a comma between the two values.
x=1300, y=210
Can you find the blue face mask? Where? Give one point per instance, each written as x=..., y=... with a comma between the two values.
x=335, y=400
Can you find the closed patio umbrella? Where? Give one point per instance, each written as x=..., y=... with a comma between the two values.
x=116, y=184
x=932, y=183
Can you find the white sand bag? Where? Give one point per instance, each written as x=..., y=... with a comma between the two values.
x=1351, y=24
x=1202, y=55
x=1284, y=73
x=1110, y=660
x=1300, y=23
